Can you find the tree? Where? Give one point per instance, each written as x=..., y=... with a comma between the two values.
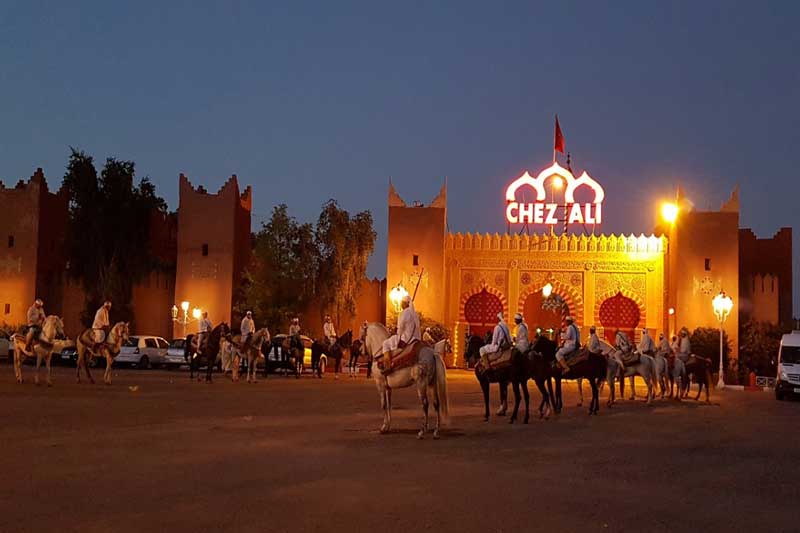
x=280, y=280
x=705, y=343
x=108, y=231
x=758, y=347
x=345, y=244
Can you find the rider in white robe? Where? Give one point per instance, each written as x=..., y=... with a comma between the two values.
x=408, y=328
x=500, y=336
x=522, y=343
x=646, y=344
x=569, y=344
x=35, y=318
x=622, y=346
x=682, y=354
x=204, y=328
x=329, y=331
x=593, y=345
x=101, y=323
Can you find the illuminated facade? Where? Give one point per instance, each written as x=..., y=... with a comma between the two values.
x=626, y=282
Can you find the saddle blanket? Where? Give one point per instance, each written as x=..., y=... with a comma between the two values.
x=497, y=360
x=400, y=358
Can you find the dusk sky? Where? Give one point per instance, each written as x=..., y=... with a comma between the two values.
x=328, y=100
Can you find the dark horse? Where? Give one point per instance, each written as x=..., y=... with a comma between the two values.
x=336, y=351
x=700, y=368
x=210, y=352
x=543, y=370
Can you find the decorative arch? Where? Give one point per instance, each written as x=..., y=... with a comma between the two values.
x=631, y=328
x=600, y=298
x=482, y=286
x=573, y=299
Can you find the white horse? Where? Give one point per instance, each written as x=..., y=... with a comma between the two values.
x=249, y=354
x=428, y=374
x=661, y=367
x=52, y=328
x=109, y=349
x=644, y=368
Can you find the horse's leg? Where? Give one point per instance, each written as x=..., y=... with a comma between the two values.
x=38, y=364
x=503, y=385
x=484, y=381
x=18, y=355
x=632, y=381
x=580, y=392
x=209, y=367
x=527, y=396
x=515, y=386
x=107, y=373
x=88, y=372
x=49, y=376
x=78, y=364
x=436, y=405
x=559, y=395
x=595, y=395
x=544, y=406
x=422, y=393
x=388, y=407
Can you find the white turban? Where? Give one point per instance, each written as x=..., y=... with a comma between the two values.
x=518, y=316
x=500, y=315
x=407, y=299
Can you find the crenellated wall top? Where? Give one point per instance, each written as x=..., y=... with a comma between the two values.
x=558, y=243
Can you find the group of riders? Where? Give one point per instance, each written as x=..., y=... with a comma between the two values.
x=623, y=350
x=36, y=317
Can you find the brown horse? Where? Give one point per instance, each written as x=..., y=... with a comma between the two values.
x=250, y=354
x=109, y=349
x=700, y=368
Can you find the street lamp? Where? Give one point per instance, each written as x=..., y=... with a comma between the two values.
x=669, y=212
x=396, y=295
x=185, y=320
x=722, y=304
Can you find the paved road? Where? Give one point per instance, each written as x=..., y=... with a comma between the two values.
x=157, y=452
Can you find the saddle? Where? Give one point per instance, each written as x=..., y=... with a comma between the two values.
x=497, y=360
x=400, y=358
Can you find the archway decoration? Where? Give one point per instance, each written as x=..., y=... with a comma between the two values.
x=571, y=297
x=602, y=297
x=483, y=286
x=619, y=312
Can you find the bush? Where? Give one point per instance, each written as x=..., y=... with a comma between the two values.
x=758, y=348
x=705, y=343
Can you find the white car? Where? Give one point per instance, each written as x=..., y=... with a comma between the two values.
x=788, y=382
x=6, y=347
x=143, y=351
x=175, y=357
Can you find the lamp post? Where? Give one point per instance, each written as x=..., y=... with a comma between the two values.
x=722, y=304
x=185, y=320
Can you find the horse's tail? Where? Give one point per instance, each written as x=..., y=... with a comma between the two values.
x=441, y=388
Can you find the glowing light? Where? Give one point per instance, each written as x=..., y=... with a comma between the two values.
x=671, y=311
x=669, y=212
x=174, y=312
x=397, y=294
x=547, y=290
x=196, y=313
x=558, y=182
x=185, y=306
x=722, y=304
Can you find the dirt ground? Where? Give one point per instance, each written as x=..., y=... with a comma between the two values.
x=156, y=452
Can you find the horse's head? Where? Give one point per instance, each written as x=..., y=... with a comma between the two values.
x=443, y=347
x=53, y=327
x=121, y=330
x=346, y=340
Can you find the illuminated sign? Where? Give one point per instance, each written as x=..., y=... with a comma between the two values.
x=543, y=212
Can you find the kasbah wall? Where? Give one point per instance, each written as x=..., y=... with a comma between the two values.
x=202, y=251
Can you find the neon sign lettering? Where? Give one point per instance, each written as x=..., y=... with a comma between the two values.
x=542, y=212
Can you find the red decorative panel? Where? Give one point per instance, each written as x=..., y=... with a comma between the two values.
x=619, y=312
x=481, y=309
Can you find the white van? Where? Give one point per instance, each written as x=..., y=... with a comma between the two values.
x=788, y=381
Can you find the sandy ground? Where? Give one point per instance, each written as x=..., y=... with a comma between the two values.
x=156, y=452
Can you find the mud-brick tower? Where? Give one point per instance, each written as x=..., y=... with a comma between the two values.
x=213, y=247
x=416, y=250
x=33, y=222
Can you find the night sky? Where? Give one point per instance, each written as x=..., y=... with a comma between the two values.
x=329, y=99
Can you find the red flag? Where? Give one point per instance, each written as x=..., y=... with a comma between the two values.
x=558, y=142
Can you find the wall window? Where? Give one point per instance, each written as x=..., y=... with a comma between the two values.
x=10, y=241
x=708, y=264
x=415, y=260
x=205, y=250
x=8, y=309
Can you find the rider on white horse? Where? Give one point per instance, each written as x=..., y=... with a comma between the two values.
x=593, y=345
x=101, y=325
x=407, y=328
x=427, y=337
x=36, y=318
x=622, y=347
x=570, y=339
x=664, y=349
x=646, y=345
x=247, y=328
x=682, y=354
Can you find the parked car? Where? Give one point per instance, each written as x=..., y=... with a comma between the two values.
x=143, y=351
x=6, y=347
x=175, y=357
x=274, y=359
x=788, y=382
